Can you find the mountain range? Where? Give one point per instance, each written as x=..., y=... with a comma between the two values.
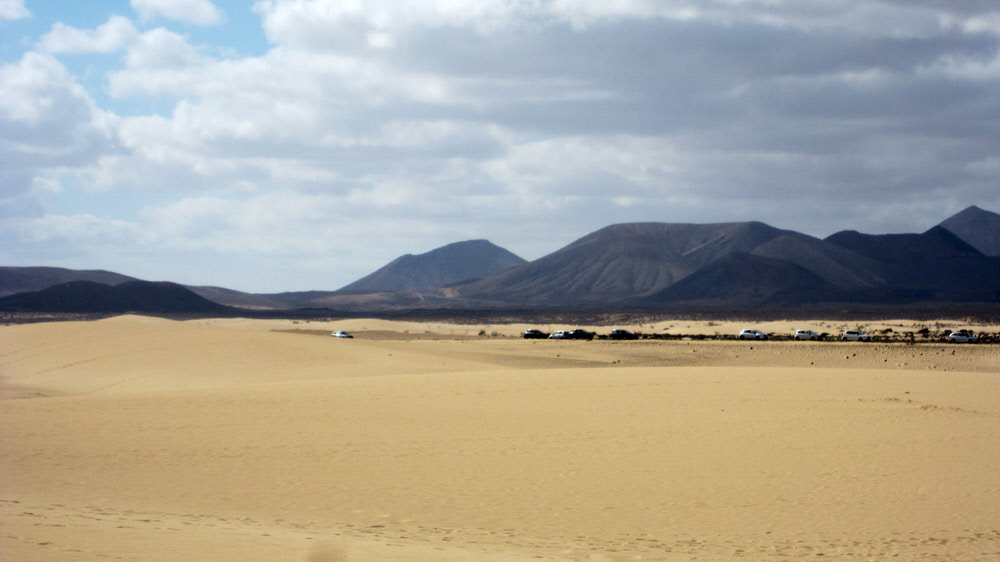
x=635, y=265
x=129, y=296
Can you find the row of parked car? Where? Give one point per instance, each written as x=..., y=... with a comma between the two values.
x=577, y=334
x=560, y=335
x=805, y=335
x=959, y=336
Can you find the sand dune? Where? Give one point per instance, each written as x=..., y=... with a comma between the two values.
x=139, y=438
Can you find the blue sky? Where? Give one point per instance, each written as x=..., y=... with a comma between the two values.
x=287, y=145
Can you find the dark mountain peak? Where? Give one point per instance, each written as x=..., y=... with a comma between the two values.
x=978, y=227
x=471, y=248
x=453, y=263
x=131, y=296
x=26, y=279
x=934, y=265
x=629, y=229
x=935, y=243
x=685, y=238
x=621, y=261
x=971, y=213
x=467, y=247
x=945, y=238
x=677, y=229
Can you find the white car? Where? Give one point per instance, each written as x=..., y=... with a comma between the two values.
x=855, y=335
x=339, y=334
x=752, y=335
x=962, y=336
x=807, y=335
x=560, y=335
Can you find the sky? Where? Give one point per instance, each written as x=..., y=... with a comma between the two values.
x=288, y=145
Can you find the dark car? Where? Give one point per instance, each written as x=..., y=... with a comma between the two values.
x=579, y=335
x=622, y=335
x=535, y=335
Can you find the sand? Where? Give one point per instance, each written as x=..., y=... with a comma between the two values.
x=149, y=439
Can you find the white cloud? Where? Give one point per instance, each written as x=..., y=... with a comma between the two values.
x=330, y=22
x=47, y=120
x=556, y=173
x=17, y=203
x=67, y=239
x=48, y=126
x=112, y=36
x=160, y=48
x=267, y=224
x=198, y=12
x=989, y=23
x=13, y=10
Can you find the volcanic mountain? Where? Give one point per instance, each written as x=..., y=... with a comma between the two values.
x=454, y=263
x=630, y=262
x=25, y=279
x=130, y=296
x=981, y=229
x=936, y=265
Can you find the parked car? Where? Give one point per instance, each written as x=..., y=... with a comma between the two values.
x=340, y=334
x=752, y=335
x=560, y=335
x=535, y=335
x=580, y=335
x=855, y=335
x=963, y=336
x=617, y=334
x=807, y=335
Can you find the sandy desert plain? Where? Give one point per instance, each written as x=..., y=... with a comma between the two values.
x=136, y=438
